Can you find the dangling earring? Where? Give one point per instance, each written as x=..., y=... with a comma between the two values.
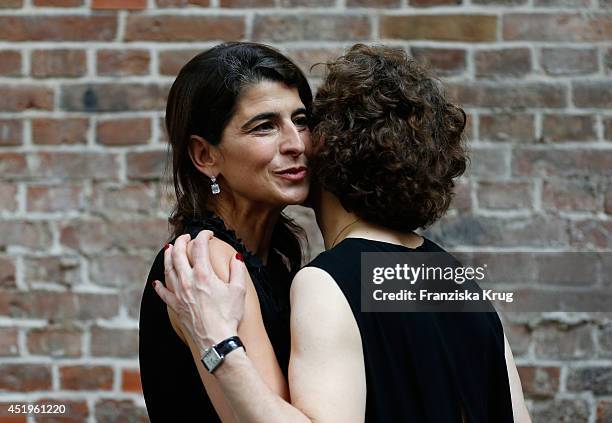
x=214, y=186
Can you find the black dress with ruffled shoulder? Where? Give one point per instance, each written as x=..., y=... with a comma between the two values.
x=171, y=384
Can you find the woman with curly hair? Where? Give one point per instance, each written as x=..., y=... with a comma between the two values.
x=388, y=146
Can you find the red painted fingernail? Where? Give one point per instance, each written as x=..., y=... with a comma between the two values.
x=154, y=284
x=166, y=246
x=239, y=257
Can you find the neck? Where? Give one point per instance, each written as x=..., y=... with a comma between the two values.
x=253, y=224
x=337, y=224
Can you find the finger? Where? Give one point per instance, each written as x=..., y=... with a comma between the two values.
x=201, y=252
x=167, y=297
x=238, y=274
x=179, y=257
x=171, y=278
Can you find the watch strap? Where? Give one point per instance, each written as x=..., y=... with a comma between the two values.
x=228, y=345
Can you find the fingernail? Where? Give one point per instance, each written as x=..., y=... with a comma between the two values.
x=154, y=283
x=239, y=257
x=166, y=246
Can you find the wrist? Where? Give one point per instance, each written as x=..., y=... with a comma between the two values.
x=215, y=356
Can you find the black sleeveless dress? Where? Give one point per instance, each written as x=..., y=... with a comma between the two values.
x=420, y=367
x=172, y=388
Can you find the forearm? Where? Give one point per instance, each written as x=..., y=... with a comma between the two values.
x=250, y=398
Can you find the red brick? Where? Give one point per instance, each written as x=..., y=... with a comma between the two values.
x=11, y=132
x=539, y=381
x=119, y=132
x=119, y=270
x=556, y=27
x=64, y=270
x=562, y=410
x=49, y=131
x=58, y=63
x=130, y=380
x=58, y=3
x=433, y=3
x=10, y=63
x=7, y=193
x=171, y=61
x=594, y=378
x=58, y=28
x=552, y=342
x=25, y=377
x=119, y=4
x=8, y=342
x=608, y=61
x=310, y=3
x=112, y=411
x=607, y=123
x=34, y=235
x=90, y=378
x=132, y=198
x=109, y=97
x=13, y=165
x=488, y=162
x=592, y=94
x=69, y=165
x=462, y=199
x=114, y=342
x=146, y=164
x=575, y=194
x=246, y=3
x=505, y=195
x=591, y=234
x=569, y=61
x=306, y=58
x=97, y=306
x=55, y=341
x=506, y=94
x=76, y=411
x=515, y=62
x=608, y=200
x=123, y=62
x=570, y=162
x=311, y=27
x=443, y=61
x=181, y=3
x=184, y=28
x=18, y=98
x=372, y=3
x=507, y=127
x=500, y=2
x=7, y=273
x=604, y=411
x=49, y=199
x=11, y=4
x=87, y=236
x=562, y=3
x=557, y=128
x=469, y=28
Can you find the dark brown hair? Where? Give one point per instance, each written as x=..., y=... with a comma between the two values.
x=202, y=101
x=388, y=143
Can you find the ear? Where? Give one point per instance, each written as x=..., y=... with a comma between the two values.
x=205, y=156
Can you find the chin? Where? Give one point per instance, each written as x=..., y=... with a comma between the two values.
x=295, y=195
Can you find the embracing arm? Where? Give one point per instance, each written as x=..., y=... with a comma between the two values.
x=251, y=331
x=326, y=374
x=326, y=370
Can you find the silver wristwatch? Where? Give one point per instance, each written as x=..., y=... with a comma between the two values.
x=213, y=356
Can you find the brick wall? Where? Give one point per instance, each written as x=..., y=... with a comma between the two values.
x=82, y=187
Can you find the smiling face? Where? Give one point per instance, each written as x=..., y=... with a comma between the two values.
x=262, y=154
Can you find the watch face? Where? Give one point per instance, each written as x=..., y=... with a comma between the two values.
x=211, y=359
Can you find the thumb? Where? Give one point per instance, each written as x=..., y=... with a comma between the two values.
x=238, y=272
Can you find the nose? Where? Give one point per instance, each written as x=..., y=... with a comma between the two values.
x=294, y=141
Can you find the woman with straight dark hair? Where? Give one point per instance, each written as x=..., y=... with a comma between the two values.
x=388, y=147
x=236, y=119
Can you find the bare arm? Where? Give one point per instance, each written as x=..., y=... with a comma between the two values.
x=327, y=376
x=251, y=331
x=519, y=409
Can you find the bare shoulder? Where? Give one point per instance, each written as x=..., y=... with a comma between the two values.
x=220, y=255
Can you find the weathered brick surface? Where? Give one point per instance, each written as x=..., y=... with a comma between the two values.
x=83, y=148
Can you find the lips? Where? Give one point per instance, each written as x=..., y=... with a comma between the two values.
x=293, y=173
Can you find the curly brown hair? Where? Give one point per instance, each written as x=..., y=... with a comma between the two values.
x=388, y=143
